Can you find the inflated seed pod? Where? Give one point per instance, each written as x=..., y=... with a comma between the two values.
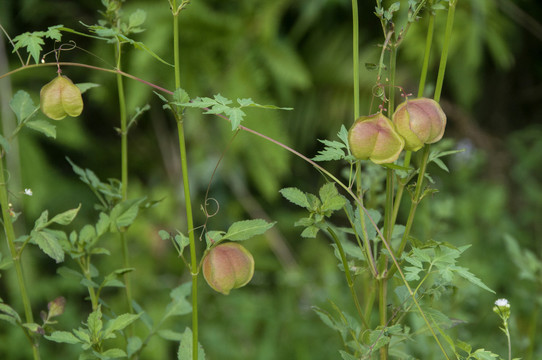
x=374, y=138
x=420, y=121
x=228, y=266
x=60, y=97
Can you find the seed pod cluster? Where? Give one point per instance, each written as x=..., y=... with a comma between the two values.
x=415, y=123
x=60, y=98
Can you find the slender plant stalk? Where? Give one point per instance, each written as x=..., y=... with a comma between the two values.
x=421, y=87
x=84, y=265
x=445, y=48
x=16, y=256
x=355, y=56
x=186, y=187
x=348, y=275
x=124, y=174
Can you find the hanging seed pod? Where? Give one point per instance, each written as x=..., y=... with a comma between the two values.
x=228, y=266
x=374, y=137
x=420, y=121
x=61, y=97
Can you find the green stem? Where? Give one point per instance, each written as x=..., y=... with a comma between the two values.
x=186, y=187
x=355, y=56
x=427, y=53
x=416, y=199
x=383, y=311
x=348, y=275
x=445, y=48
x=84, y=265
x=423, y=78
x=15, y=256
x=124, y=174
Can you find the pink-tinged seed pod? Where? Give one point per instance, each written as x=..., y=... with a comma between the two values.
x=420, y=121
x=374, y=137
x=228, y=266
x=60, y=97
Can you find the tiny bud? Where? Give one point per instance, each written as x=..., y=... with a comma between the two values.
x=374, y=137
x=228, y=266
x=420, y=121
x=60, y=97
x=56, y=307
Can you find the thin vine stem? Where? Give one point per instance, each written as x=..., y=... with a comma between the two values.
x=348, y=275
x=423, y=78
x=355, y=56
x=124, y=173
x=186, y=189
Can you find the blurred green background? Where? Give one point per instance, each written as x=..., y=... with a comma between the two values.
x=291, y=53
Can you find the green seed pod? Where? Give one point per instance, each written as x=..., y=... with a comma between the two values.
x=420, y=121
x=374, y=137
x=61, y=97
x=228, y=266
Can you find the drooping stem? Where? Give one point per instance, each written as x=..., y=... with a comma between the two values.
x=186, y=188
x=15, y=255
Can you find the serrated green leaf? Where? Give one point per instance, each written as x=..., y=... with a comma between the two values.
x=235, y=115
x=201, y=102
x=68, y=273
x=63, y=337
x=113, y=354
x=119, y=323
x=243, y=230
x=133, y=346
x=32, y=42
x=182, y=241
x=164, y=235
x=179, y=305
x=83, y=87
x=331, y=200
x=170, y=335
x=66, y=217
x=245, y=102
x=9, y=311
x=441, y=164
x=310, y=232
x=482, y=354
x=33, y=327
x=181, y=96
x=296, y=196
x=43, y=126
x=9, y=319
x=22, y=105
x=140, y=46
x=466, y=274
x=185, y=347
x=124, y=213
x=49, y=244
x=213, y=237
x=94, y=322
x=347, y=356
x=137, y=18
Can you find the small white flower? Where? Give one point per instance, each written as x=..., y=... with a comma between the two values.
x=28, y=192
x=502, y=303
